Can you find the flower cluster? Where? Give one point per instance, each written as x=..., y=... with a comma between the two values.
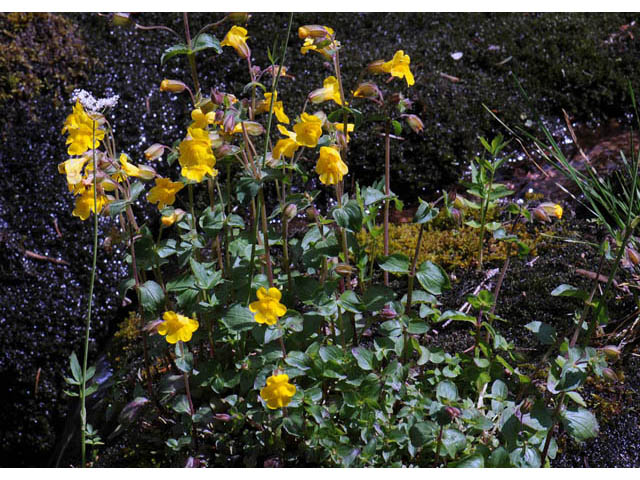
x=318, y=38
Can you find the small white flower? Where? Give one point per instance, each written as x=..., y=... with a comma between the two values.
x=90, y=103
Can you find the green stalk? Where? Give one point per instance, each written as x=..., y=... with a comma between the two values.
x=412, y=275
x=83, y=391
x=387, y=192
x=483, y=219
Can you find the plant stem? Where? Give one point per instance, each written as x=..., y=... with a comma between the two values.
x=414, y=264
x=83, y=392
x=191, y=55
x=547, y=441
x=483, y=219
x=387, y=192
x=265, y=236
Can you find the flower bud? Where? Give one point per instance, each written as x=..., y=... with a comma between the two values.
x=612, y=352
x=552, y=209
x=457, y=216
x=388, y=313
x=344, y=270
x=313, y=31
x=146, y=172
x=252, y=128
x=290, y=211
x=454, y=412
x=633, y=255
x=540, y=214
x=229, y=121
x=414, y=123
x=238, y=18
x=176, y=216
x=367, y=90
x=154, y=152
x=376, y=67
x=312, y=213
x=121, y=19
x=174, y=86
x=225, y=150
x=610, y=375
x=458, y=202
x=223, y=417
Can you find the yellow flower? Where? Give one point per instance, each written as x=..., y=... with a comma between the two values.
x=278, y=109
x=399, y=67
x=168, y=220
x=164, y=193
x=174, y=86
x=318, y=39
x=308, y=130
x=80, y=128
x=237, y=38
x=144, y=172
x=286, y=147
x=202, y=120
x=278, y=392
x=268, y=308
x=196, y=155
x=329, y=91
x=73, y=169
x=552, y=209
x=177, y=327
x=252, y=128
x=330, y=166
x=84, y=203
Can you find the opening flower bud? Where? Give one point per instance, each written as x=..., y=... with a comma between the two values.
x=312, y=213
x=376, y=67
x=174, y=86
x=388, y=313
x=610, y=375
x=252, y=128
x=540, y=214
x=344, y=269
x=121, y=19
x=612, y=352
x=290, y=211
x=313, y=31
x=154, y=152
x=239, y=18
x=146, y=172
x=552, y=209
x=414, y=123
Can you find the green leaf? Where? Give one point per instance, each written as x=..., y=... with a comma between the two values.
x=349, y=216
x=576, y=397
x=546, y=334
x=293, y=423
x=238, y=319
x=178, y=49
x=151, y=296
x=204, y=41
x=182, y=405
x=330, y=353
x=364, y=357
x=422, y=433
x=565, y=290
x=425, y=213
x=453, y=441
x=472, y=461
x=417, y=327
x=76, y=370
x=499, y=458
x=184, y=362
x=525, y=457
x=397, y=127
x=447, y=390
x=350, y=302
x=376, y=297
x=580, y=423
x=433, y=278
x=396, y=263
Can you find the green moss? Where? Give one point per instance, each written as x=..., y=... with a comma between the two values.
x=40, y=53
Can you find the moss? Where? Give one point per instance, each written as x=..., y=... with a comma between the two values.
x=41, y=52
x=448, y=245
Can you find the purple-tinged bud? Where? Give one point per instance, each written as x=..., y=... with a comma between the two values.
x=154, y=152
x=612, y=352
x=610, y=375
x=414, y=123
x=223, y=417
x=344, y=270
x=453, y=412
x=388, y=313
x=312, y=213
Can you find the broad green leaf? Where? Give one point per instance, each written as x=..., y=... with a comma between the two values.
x=376, y=297
x=545, y=333
x=76, y=370
x=425, y=213
x=151, y=296
x=447, y=390
x=178, y=49
x=422, y=433
x=396, y=263
x=182, y=405
x=565, y=290
x=472, y=461
x=453, y=441
x=364, y=357
x=238, y=319
x=349, y=216
x=350, y=302
x=525, y=457
x=433, y=278
x=580, y=423
x=204, y=41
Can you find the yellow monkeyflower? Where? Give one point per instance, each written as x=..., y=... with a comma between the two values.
x=177, y=327
x=237, y=38
x=330, y=166
x=196, y=155
x=319, y=39
x=173, y=217
x=80, y=127
x=278, y=391
x=84, y=203
x=200, y=119
x=398, y=66
x=252, y=128
x=73, y=169
x=308, y=130
x=330, y=91
x=278, y=109
x=286, y=147
x=268, y=308
x=164, y=193
x=552, y=209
